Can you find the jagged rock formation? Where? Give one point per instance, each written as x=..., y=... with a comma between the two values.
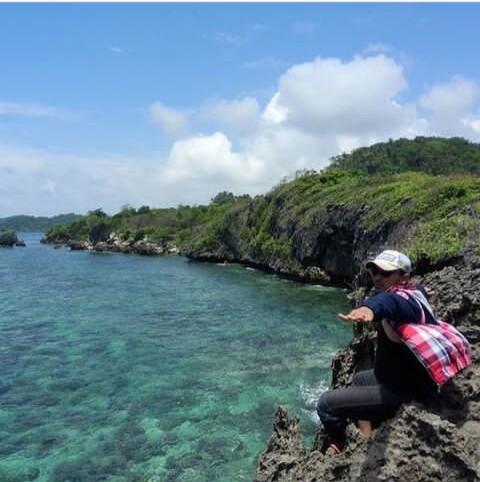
x=113, y=243
x=422, y=443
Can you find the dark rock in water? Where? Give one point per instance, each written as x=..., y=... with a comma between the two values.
x=438, y=442
x=106, y=241
x=147, y=248
x=8, y=238
x=76, y=245
x=102, y=246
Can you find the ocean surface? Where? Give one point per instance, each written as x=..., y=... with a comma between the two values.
x=121, y=368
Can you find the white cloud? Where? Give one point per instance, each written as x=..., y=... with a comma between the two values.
x=21, y=162
x=452, y=107
x=348, y=97
x=473, y=124
x=173, y=122
x=208, y=158
x=239, y=116
x=452, y=98
x=43, y=182
x=29, y=109
x=275, y=112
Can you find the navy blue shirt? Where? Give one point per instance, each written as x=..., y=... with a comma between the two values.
x=396, y=366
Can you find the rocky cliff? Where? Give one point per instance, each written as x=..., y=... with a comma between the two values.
x=439, y=442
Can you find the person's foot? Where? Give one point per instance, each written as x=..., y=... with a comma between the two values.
x=365, y=428
x=334, y=449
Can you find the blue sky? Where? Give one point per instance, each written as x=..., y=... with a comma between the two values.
x=107, y=104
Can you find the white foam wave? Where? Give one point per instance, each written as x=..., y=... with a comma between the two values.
x=310, y=395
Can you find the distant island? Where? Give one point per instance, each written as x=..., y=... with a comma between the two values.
x=25, y=223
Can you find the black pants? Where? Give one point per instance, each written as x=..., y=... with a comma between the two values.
x=365, y=399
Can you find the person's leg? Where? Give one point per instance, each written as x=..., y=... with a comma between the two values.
x=362, y=379
x=365, y=378
x=372, y=402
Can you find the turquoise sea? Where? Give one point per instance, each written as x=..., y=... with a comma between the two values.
x=124, y=368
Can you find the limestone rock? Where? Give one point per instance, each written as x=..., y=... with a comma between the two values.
x=435, y=443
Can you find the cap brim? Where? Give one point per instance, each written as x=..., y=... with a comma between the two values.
x=384, y=265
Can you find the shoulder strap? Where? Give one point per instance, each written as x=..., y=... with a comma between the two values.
x=419, y=297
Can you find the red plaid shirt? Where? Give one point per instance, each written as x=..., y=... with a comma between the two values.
x=439, y=347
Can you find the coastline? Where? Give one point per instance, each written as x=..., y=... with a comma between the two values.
x=115, y=245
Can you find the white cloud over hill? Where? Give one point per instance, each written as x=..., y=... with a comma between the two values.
x=319, y=109
x=452, y=108
x=238, y=116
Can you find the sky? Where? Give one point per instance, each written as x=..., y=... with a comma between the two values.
x=103, y=105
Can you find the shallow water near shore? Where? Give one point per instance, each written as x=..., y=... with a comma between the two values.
x=127, y=368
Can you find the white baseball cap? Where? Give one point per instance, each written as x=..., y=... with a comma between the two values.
x=391, y=260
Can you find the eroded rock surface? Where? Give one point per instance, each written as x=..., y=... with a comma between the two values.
x=438, y=442
x=115, y=244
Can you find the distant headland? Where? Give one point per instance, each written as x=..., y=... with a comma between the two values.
x=25, y=223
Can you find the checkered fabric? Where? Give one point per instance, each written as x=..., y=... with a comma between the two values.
x=439, y=346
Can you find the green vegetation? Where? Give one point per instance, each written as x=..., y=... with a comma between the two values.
x=429, y=185
x=434, y=155
x=35, y=224
x=180, y=225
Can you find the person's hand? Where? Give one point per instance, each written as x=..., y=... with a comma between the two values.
x=362, y=315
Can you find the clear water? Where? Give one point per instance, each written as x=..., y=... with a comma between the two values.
x=126, y=368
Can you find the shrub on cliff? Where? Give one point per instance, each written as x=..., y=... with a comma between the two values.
x=99, y=230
